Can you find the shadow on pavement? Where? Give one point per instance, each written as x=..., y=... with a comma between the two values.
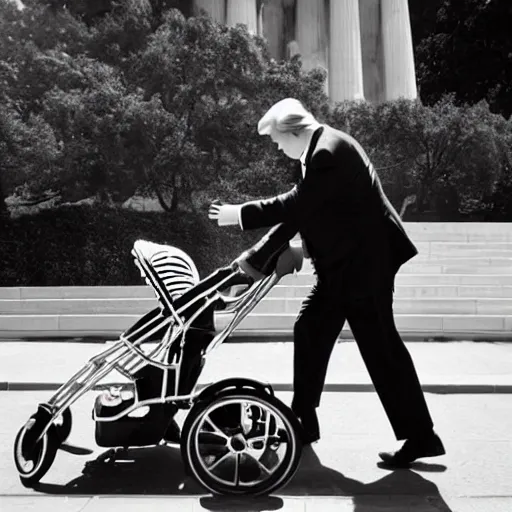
x=403, y=489
x=236, y=504
x=150, y=470
x=75, y=450
x=159, y=470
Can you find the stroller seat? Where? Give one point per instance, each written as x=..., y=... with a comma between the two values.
x=171, y=273
x=181, y=294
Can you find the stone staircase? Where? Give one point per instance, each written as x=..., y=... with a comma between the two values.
x=458, y=287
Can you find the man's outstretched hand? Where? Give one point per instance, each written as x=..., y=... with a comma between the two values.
x=224, y=214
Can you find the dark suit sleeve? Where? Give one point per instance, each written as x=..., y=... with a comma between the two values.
x=262, y=256
x=325, y=181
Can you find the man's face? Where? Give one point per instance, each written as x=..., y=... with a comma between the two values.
x=289, y=143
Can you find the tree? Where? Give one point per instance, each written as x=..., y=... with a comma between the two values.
x=130, y=104
x=216, y=81
x=29, y=154
x=423, y=17
x=88, y=123
x=469, y=54
x=450, y=157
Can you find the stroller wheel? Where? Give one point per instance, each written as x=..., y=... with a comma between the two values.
x=63, y=425
x=33, y=464
x=241, y=442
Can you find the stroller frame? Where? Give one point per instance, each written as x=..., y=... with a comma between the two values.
x=166, y=327
x=125, y=357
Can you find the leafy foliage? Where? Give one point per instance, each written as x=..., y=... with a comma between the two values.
x=468, y=52
x=109, y=99
x=84, y=246
x=451, y=157
x=142, y=99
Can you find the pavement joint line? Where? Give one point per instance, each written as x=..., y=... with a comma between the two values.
x=235, y=499
x=288, y=387
x=249, y=337
x=311, y=498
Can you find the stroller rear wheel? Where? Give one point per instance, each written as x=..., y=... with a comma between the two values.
x=241, y=442
x=32, y=464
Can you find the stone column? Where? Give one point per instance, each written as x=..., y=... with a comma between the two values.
x=242, y=11
x=215, y=8
x=311, y=33
x=272, y=24
x=345, y=62
x=399, y=71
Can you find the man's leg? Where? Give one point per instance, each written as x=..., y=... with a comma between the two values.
x=389, y=364
x=316, y=329
x=394, y=376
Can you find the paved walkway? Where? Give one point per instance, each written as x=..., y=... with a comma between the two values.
x=340, y=473
x=302, y=504
x=443, y=367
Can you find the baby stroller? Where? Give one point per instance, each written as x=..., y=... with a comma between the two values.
x=237, y=437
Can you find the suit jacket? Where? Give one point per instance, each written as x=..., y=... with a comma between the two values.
x=353, y=234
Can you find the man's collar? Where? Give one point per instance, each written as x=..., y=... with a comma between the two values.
x=313, y=137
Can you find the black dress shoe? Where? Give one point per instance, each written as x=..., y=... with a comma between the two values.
x=309, y=437
x=310, y=427
x=173, y=432
x=412, y=449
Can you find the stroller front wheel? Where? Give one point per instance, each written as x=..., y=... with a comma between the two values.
x=33, y=464
x=241, y=442
x=63, y=425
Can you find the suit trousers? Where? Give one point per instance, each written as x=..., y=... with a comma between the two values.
x=370, y=317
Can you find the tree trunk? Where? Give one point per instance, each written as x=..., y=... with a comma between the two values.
x=408, y=201
x=161, y=199
x=175, y=199
x=173, y=206
x=4, y=212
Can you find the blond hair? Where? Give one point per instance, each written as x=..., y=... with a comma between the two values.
x=288, y=115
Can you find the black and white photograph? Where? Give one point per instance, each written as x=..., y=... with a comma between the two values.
x=256, y=255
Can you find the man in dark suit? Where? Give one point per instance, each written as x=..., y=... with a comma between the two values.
x=357, y=243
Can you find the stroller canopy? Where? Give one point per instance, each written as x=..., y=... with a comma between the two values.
x=173, y=267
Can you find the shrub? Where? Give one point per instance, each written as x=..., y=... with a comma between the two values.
x=81, y=246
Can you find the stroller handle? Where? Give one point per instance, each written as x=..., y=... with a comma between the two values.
x=287, y=261
x=272, y=253
x=290, y=261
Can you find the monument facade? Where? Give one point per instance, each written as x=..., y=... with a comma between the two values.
x=364, y=45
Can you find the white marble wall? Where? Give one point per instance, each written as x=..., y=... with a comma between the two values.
x=365, y=45
x=215, y=8
x=312, y=33
x=371, y=50
x=242, y=11
x=272, y=27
